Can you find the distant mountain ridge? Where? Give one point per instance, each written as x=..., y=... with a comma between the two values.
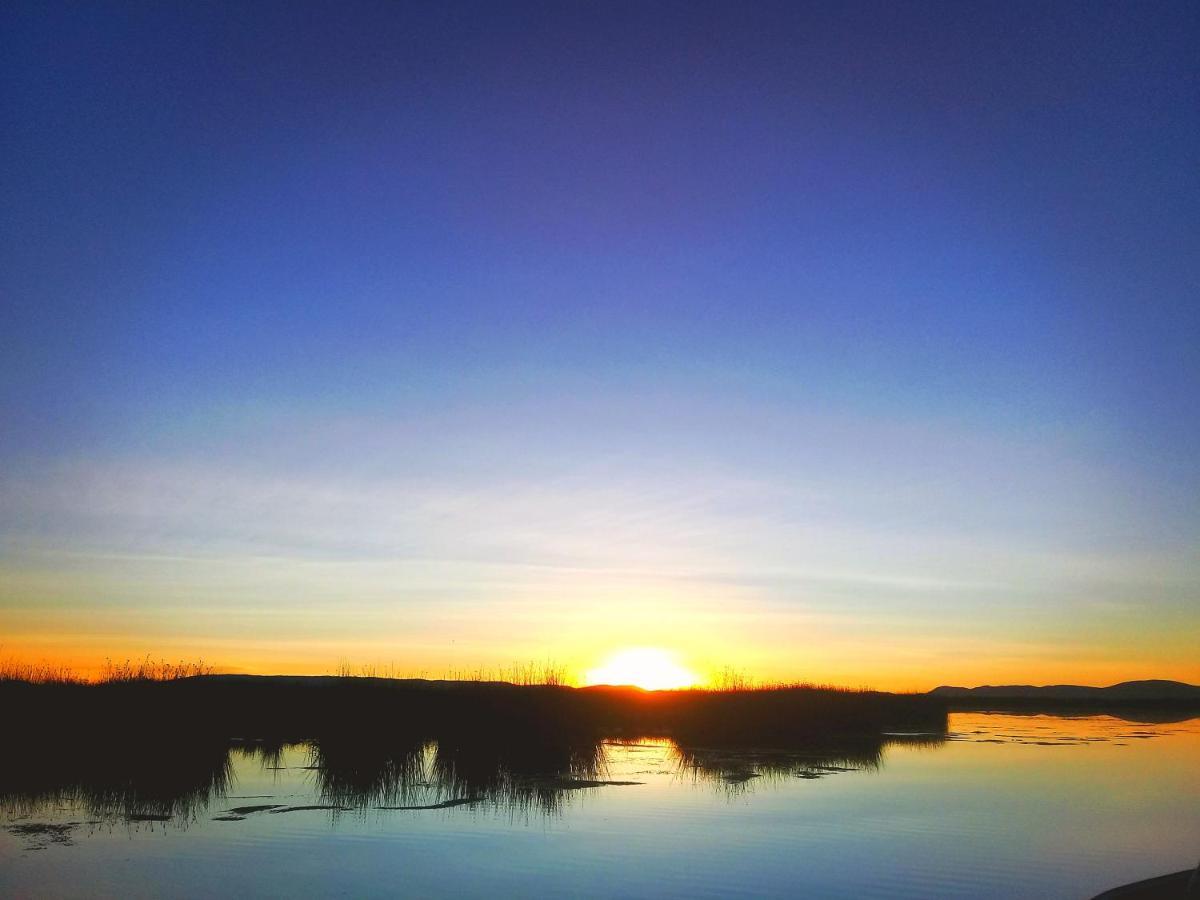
x=1150, y=689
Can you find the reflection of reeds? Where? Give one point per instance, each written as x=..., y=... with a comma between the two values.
x=370, y=771
x=267, y=751
x=409, y=744
x=517, y=776
x=734, y=766
x=114, y=780
x=418, y=772
x=175, y=781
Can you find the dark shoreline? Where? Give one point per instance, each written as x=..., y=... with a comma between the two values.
x=1158, y=711
x=297, y=707
x=253, y=706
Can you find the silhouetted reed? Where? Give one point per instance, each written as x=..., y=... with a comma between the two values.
x=525, y=674
x=14, y=672
x=129, y=670
x=149, y=669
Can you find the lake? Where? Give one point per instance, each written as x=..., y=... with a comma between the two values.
x=1001, y=806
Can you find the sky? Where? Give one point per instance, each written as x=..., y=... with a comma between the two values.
x=852, y=343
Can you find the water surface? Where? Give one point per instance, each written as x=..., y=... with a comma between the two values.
x=1001, y=806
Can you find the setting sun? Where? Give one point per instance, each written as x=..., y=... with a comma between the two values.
x=645, y=667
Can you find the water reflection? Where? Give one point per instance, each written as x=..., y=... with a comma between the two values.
x=736, y=767
x=353, y=774
x=176, y=781
x=153, y=781
x=1000, y=805
x=132, y=781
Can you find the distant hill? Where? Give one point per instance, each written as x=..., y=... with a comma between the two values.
x=1152, y=689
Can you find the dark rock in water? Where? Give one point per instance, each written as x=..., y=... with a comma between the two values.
x=246, y=810
x=229, y=818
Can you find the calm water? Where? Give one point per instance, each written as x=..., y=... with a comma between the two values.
x=1008, y=806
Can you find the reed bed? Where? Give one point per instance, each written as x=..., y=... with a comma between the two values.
x=15, y=672
x=125, y=672
x=158, y=737
x=185, y=700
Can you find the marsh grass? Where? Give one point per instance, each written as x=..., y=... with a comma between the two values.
x=123, y=672
x=185, y=698
x=526, y=674
x=15, y=672
x=168, y=732
x=149, y=669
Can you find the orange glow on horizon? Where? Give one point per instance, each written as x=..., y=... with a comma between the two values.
x=598, y=661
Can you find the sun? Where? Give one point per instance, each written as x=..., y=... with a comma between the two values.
x=645, y=667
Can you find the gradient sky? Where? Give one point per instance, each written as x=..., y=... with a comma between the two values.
x=846, y=342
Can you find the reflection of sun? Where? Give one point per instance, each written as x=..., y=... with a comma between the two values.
x=644, y=667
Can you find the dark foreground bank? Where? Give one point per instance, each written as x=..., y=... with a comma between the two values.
x=1183, y=885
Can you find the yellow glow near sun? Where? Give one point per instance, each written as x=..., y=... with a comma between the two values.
x=644, y=667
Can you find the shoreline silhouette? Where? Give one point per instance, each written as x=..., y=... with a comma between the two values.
x=297, y=707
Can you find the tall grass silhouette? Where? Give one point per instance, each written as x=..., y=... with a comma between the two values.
x=126, y=671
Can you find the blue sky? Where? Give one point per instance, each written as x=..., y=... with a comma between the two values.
x=811, y=327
